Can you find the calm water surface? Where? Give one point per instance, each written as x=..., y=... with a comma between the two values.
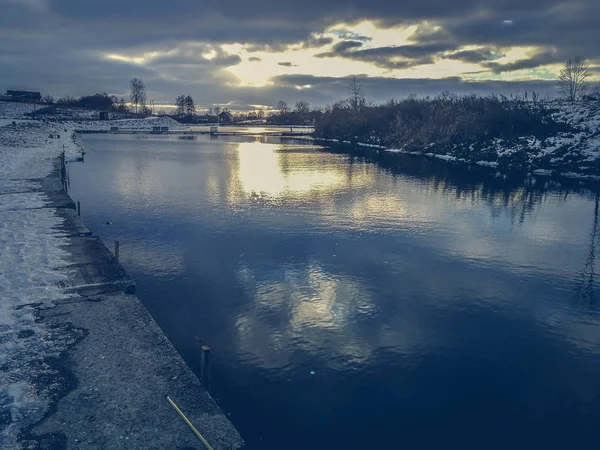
x=350, y=306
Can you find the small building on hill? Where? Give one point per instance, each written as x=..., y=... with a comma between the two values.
x=24, y=96
x=225, y=117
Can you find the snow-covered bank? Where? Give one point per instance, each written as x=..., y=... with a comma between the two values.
x=571, y=154
x=75, y=344
x=126, y=124
x=32, y=269
x=574, y=153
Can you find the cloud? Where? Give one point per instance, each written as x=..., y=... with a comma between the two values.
x=391, y=57
x=286, y=64
x=179, y=48
x=340, y=49
x=475, y=56
x=381, y=89
x=540, y=59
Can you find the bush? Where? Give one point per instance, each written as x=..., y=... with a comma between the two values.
x=445, y=120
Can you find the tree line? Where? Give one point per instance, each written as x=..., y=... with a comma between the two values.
x=415, y=124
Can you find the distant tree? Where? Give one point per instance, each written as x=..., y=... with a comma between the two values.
x=357, y=98
x=121, y=105
x=572, y=78
x=189, y=105
x=96, y=101
x=282, y=107
x=47, y=100
x=180, y=105
x=217, y=110
x=302, y=107
x=66, y=100
x=138, y=93
x=145, y=110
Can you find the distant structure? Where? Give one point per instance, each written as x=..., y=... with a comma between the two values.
x=160, y=130
x=23, y=96
x=225, y=117
x=104, y=115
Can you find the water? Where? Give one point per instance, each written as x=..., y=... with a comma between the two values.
x=351, y=305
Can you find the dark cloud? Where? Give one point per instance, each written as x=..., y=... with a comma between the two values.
x=475, y=56
x=381, y=89
x=286, y=64
x=340, y=49
x=351, y=36
x=254, y=59
x=196, y=56
x=540, y=59
x=59, y=46
x=312, y=41
x=316, y=42
x=388, y=57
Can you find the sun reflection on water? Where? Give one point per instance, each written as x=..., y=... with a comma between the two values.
x=262, y=172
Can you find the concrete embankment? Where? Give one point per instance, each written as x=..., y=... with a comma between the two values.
x=119, y=367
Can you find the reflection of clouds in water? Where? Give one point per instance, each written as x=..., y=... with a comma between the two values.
x=307, y=309
x=469, y=224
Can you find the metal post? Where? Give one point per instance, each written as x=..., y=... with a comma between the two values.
x=117, y=250
x=79, y=209
x=205, y=367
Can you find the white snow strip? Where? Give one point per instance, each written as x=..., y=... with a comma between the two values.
x=32, y=269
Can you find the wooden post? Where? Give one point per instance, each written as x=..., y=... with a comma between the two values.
x=117, y=250
x=79, y=209
x=205, y=367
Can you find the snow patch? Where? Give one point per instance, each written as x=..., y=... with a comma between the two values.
x=32, y=269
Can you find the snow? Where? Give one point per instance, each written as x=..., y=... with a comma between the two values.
x=33, y=266
x=578, y=149
x=126, y=124
x=492, y=164
x=443, y=157
x=13, y=111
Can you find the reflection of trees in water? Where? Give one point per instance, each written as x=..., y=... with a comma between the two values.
x=586, y=292
x=514, y=195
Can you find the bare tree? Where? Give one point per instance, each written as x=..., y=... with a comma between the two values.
x=217, y=110
x=190, y=106
x=357, y=97
x=282, y=107
x=571, y=80
x=138, y=93
x=180, y=105
x=302, y=107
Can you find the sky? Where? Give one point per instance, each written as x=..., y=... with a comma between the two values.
x=246, y=55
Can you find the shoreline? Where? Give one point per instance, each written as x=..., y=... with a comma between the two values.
x=104, y=382
x=492, y=165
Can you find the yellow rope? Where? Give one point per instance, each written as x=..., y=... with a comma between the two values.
x=196, y=432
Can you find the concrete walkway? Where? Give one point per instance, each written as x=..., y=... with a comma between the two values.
x=119, y=367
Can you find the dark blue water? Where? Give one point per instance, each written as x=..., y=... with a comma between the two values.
x=352, y=305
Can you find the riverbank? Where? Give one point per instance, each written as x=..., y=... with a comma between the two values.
x=546, y=138
x=83, y=363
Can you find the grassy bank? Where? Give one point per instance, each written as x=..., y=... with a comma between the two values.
x=510, y=133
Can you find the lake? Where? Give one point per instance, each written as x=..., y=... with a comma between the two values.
x=350, y=302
